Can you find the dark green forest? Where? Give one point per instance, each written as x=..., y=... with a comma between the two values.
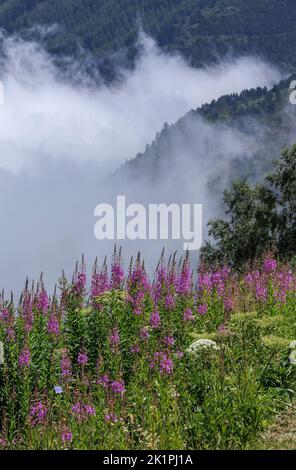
x=201, y=31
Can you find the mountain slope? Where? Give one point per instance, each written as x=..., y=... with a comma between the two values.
x=201, y=30
x=264, y=120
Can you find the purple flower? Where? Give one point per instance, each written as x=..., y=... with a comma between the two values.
x=169, y=341
x=204, y=282
x=169, y=302
x=184, y=281
x=117, y=274
x=202, y=309
x=104, y=380
x=43, y=301
x=53, y=327
x=118, y=387
x=89, y=410
x=77, y=408
x=228, y=305
x=66, y=367
x=110, y=417
x=38, y=414
x=82, y=359
x=155, y=320
x=5, y=316
x=114, y=337
x=261, y=292
x=24, y=357
x=269, y=265
x=67, y=436
x=100, y=284
x=188, y=315
x=166, y=365
x=58, y=390
x=82, y=411
x=79, y=283
x=144, y=334
x=3, y=442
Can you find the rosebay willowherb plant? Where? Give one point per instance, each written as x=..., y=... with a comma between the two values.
x=128, y=362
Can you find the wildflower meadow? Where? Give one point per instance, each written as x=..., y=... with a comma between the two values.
x=189, y=359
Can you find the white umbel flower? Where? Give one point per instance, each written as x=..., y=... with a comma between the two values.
x=201, y=345
x=292, y=357
x=293, y=345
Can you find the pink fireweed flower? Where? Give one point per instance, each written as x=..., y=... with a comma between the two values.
x=80, y=282
x=251, y=278
x=82, y=411
x=155, y=320
x=202, y=309
x=169, y=302
x=216, y=278
x=261, y=292
x=82, y=359
x=184, y=281
x=104, y=380
x=280, y=296
x=135, y=349
x=225, y=271
x=53, y=327
x=110, y=418
x=188, y=315
x=5, y=316
x=24, y=359
x=67, y=437
x=118, y=387
x=138, y=279
x=10, y=334
x=228, y=305
x=169, y=341
x=114, y=337
x=204, y=282
x=66, y=367
x=164, y=362
x=166, y=366
x=137, y=287
x=269, y=265
x=3, y=443
x=38, y=414
x=117, y=274
x=160, y=283
x=77, y=409
x=144, y=333
x=100, y=284
x=89, y=410
x=43, y=301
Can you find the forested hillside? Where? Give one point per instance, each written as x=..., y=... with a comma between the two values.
x=201, y=30
x=264, y=116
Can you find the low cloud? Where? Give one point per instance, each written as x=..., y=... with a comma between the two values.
x=60, y=137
